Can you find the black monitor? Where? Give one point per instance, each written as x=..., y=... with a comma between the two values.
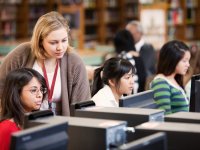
x=34, y=116
x=180, y=136
x=45, y=136
x=81, y=105
x=156, y=141
x=187, y=117
x=195, y=94
x=141, y=100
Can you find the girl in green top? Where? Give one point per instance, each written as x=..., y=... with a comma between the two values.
x=173, y=64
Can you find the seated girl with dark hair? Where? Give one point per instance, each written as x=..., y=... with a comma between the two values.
x=111, y=81
x=23, y=92
x=173, y=63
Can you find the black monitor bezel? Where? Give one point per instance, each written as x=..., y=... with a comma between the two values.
x=143, y=142
x=147, y=96
x=24, y=138
x=39, y=132
x=193, y=94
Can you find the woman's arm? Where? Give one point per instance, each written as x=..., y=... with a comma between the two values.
x=17, y=58
x=79, y=86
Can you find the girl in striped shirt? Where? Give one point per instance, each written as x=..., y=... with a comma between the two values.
x=167, y=85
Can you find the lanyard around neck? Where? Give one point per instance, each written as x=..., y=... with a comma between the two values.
x=50, y=90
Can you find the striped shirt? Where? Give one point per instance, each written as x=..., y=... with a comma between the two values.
x=169, y=97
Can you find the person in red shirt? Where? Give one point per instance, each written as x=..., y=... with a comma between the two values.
x=23, y=92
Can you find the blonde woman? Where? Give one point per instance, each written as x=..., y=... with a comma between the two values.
x=49, y=53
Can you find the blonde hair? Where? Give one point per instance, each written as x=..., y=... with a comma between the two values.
x=46, y=23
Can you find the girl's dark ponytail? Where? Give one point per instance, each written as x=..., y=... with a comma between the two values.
x=97, y=81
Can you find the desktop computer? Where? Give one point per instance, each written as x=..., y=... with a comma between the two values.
x=187, y=117
x=156, y=141
x=133, y=116
x=180, y=136
x=45, y=136
x=143, y=99
x=87, y=133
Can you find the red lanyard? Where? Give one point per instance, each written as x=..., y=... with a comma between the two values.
x=50, y=90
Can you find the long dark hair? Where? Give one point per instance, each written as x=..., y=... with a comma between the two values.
x=11, y=106
x=123, y=41
x=113, y=68
x=170, y=55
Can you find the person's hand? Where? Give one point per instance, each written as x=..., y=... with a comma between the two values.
x=134, y=53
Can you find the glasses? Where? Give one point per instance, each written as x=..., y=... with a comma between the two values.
x=35, y=91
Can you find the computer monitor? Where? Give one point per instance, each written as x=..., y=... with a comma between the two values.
x=180, y=136
x=187, y=117
x=34, y=116
x=45, y=136
x=142, y=100
x=195, y=94
x=156, y=141
x=89, y=133
x=81, y=105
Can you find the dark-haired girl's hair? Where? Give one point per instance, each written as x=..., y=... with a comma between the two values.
x=170, y=55
x=11, y=106
x=123, y=41
x=113, y=68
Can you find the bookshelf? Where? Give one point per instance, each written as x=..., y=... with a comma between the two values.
x=28, y=13
x=18, y=17
x=105, y=17
x=75, y=16
x=92, y=20
x=130, y=11
x=155, y=30
x=8, y=19
x=182, y=21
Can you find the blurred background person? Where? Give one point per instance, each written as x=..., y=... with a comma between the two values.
x=146, y=50
x=125, y=48
x=194, y=68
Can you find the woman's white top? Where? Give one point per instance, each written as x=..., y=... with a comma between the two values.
x=188, y=89
x=57, y=88
x=105, y=98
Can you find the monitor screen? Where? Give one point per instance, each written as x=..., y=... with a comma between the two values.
x=195, y=94
x=156, y=141
x=142, y=100
x=46, y=136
